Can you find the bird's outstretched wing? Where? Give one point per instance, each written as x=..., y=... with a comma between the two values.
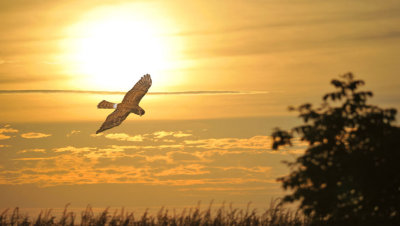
x=133, y=96
x=114, y=119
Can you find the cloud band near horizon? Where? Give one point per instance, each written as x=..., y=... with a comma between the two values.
x=196, y=92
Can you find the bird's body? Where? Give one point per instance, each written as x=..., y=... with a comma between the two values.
x=130, y=104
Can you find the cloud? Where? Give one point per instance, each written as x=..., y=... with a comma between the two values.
x=161, y=134
x=192, y=169
x=34, y=135
x=124, y=137
x=155, y=147
x=34, y=159
x=194, y=92
x=255, y=142
x=85, y=165
x=355, y=16
x=4, y=137
x=225, y=189
x=96, y=134
x=216, y=181
x=257, y=169
x=178, y=134
x=35, y=150
x=27, y=79
x=141, y=137
x=91, y=153
x=73, y=149
x=220, y=162
x=6, y=129
x=73, y=132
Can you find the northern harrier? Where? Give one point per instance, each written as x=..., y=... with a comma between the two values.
x=130, y=104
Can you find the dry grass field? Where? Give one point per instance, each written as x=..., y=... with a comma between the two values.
x=275, y=215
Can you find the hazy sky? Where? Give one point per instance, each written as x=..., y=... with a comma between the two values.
x=188, y=147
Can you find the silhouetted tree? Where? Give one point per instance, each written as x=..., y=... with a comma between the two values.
x=350, y=172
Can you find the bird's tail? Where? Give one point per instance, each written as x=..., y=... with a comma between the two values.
x=107, y=105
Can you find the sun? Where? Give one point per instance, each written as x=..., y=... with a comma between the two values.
x=115, y=47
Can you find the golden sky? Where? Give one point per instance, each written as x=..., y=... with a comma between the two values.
x=252, y=59
x=290, y=51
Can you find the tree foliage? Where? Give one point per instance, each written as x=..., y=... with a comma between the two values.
x=350, y=172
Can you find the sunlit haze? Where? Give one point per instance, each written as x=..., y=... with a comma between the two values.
x=108, y=46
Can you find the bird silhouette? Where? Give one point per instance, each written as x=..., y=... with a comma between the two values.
x=130, y=104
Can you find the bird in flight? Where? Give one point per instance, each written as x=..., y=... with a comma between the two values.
x=130, y=104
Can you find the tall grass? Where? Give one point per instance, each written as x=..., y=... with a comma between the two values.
x=275, y=215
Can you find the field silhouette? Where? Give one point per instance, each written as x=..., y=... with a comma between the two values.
x=274, y=215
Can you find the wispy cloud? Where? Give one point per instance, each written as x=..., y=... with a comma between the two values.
x=3, y=137
x=145, y=147
x=228, y=188
x=180, y=134
x=212, y=181
x=124, y=137
x=196, y=92
x=256, y=142
x=74, y=150
x=6, y=129
x=184, y=161
x=192, y=169
x=340, y=17
x=257, y=169
x=96, y=134
x=177, y=134
x=155, y=136
x=34, y=158
x=27, y=79
x=73, y=132
x=161, y=134
x=34, y=135
x=35, y=150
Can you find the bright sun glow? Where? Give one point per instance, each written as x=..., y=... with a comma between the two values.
x=116, y=47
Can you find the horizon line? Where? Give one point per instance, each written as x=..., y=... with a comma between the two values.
x=194, y=92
